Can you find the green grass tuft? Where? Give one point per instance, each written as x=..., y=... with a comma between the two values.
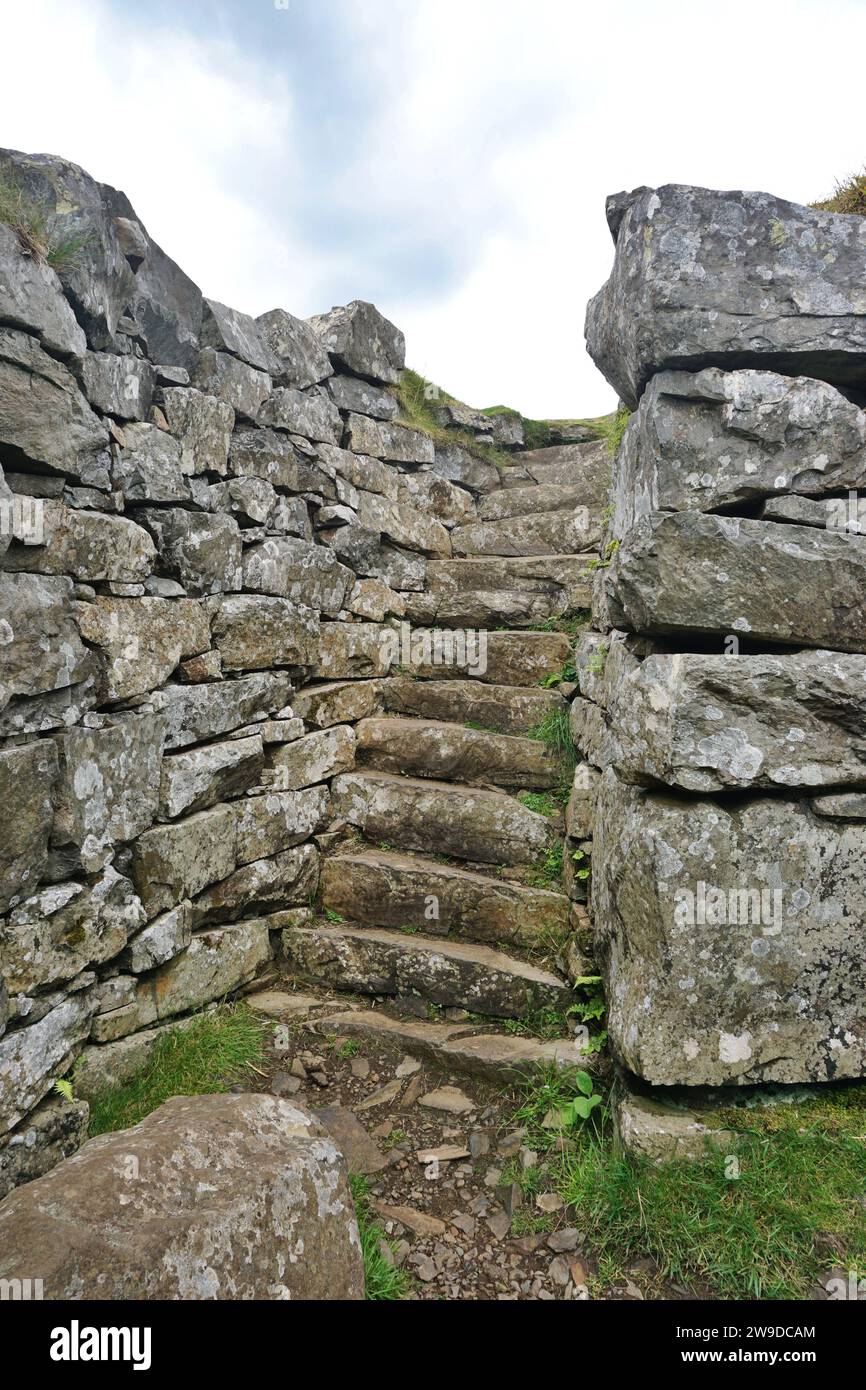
x=418, y=410
x=849, y=196
x=35, y=228
x=384, y=1283
x=208, y=1057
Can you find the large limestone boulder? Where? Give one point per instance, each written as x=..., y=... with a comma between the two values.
x=231, y=1198
x=732, y=938
x=88, y=546
x=301, y=358
x=118, y=268
x=703, y=278
x=362, y=341
x=141, y=639
x=690, y=572
x=28, y=775
x=704, y=723
x=705, y=440
x=31, y=297
x=44, y=415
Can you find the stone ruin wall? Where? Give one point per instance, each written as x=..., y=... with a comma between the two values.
x=723, y=685
x=215, y=534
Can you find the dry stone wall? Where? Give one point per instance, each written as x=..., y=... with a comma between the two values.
x=216, y=535
x=722, y=688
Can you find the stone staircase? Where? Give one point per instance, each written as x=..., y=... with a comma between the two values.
x=440, y=904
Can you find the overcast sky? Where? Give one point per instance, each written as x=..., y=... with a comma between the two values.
x=448, y=159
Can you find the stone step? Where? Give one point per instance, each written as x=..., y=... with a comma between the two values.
x=565, y=465
x=453, y=753
x=459, y=1047
x=380, y=888
x=453, y=974
x=544, y=533
x=486, y=827
x=533, y=498
x=500, y=707
x=502, y=591
x=522, y=659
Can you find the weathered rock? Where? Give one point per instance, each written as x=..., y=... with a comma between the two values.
x=141, y=640
x=50, y=1133
x=457, y=465
x=90, y=546
x=437, y=497
x=60, y=931
x=44, y=415
x=268, y=825
x=148, y=467
x=229, y=331
x=173, y=862
x=352, y=1140
x=495, y=1056
x=506, y=592
x=359, y=471
x=194, y=713
x=197, y=779
x=397, y=443
x=160, y=941
x=301, y=358
x=254, y=633
x=382, y=889
x=279, y=1222
x=371, y=961
x=692, y=572
x=547, y=533
x=364, y=552
x=108, y=787
x=315, y=758
x=353, y=651
x=216, y=963
x=118, y=267
x=32, y=1057
x=736, y=279
x=294, y=569
x=264, y=454
x=533, y=500
x=584, y=467
x=120, y=386
x=402, y=524
x=310, y=413
x=717, y=439
x=495, y=658
x=429, y=748
x=357, y=397
x=31, y=297
x=360, y=340
x=336, y=702
x=265, y=886
x=203, y=425
x=27, y=779
x=496, y=707
x=731, y=938
x=115, y=1063
x=707, y=722
x=845, y=806
x=662, y=1132
x=370, y=598
x=468, y=822
x=202, y=550
x=242, y=387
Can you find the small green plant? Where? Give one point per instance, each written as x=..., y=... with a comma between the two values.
x=598, y=660
x=590, y=1008
x=545, y=1024
x=347, y=1049
x=333, y=917
x=383, y=1281
x=420, y=401
x=540, y=802
x=63, y=1087
x=568, y=674
x=583, y=1104
x=397, y=1136
x=582, y=865
x=548, y=869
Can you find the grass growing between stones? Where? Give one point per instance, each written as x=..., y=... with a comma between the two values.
x=796, y=1210
x=384, y=1282
x=848, y=196
x=555, y=731
x=418, y=410
x=207, y=1058
x=35, y=229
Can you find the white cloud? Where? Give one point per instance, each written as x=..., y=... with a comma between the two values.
x=456, y=166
